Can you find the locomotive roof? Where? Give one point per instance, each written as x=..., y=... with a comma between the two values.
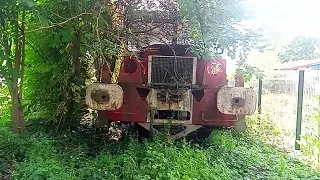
x=169, y=50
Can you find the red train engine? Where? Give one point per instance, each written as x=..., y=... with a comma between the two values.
x=169, y=85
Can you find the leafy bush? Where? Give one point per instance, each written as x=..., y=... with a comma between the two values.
x=11, y=150
x=80, y=154
x=5, y=104
x=310, y=143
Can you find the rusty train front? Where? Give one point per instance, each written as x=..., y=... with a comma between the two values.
x=169, y=85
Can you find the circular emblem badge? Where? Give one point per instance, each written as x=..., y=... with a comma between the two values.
x=214, y=68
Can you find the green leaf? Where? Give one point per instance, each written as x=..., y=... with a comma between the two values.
x=2, y=56
x=29, y=3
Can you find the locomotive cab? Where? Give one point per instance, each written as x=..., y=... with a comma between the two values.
x=170, y=85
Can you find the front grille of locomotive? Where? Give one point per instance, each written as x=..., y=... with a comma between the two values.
x=172, y=70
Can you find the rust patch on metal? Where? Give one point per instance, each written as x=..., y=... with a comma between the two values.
x=170, y=100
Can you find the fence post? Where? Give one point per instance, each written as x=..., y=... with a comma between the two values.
x=239, y=79
x=299, y=108
x=259, y=95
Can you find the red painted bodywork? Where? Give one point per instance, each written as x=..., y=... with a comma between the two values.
x=135, y=108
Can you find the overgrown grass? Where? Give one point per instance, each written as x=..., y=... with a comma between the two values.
x=280, y=110
x=79, y=154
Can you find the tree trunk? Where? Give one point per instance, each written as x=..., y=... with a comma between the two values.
x=23, y=55
x=76, y=52
x=18, y=121
x=14, y=65
x=118, y=23
x=98, y=68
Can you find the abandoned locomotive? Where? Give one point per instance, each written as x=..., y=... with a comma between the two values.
x=169, y=85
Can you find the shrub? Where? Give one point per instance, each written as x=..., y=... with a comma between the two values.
x=75, y=154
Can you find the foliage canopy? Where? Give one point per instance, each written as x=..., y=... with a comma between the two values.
x=66, y=42
x=300, y=48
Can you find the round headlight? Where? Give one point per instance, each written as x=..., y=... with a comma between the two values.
x=130, y=66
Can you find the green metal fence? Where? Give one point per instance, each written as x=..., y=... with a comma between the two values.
x=290, y=99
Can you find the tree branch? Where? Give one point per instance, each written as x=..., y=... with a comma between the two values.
x=59, y=24
x=148, y=30
x=23, y=53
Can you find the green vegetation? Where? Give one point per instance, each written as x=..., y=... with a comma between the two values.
x=310, y=142
x=300, y=48
x=4, y=105
x=279, y=107
x=83, y=153
x=51, y=49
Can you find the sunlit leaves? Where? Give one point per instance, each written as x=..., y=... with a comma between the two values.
x=4, y=104
x=2, y=62
x=248, y=71
x=57, y=67
x=300, y=48
x=29, y=3
x=215, y=26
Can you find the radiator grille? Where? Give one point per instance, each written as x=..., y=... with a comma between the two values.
x=172, y=70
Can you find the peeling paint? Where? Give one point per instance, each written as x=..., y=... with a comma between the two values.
x=177, y=100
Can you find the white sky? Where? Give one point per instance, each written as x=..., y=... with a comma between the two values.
x=289, y=18
x=285, y=19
